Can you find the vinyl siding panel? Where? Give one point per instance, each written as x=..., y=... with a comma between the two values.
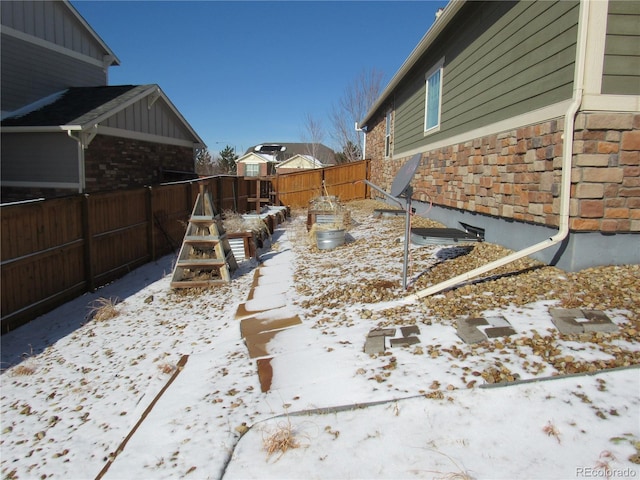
x=30, y=72
x=157, y=120
x=501, y=59
x=39, y=157
x=52, y=22
x=621, y=73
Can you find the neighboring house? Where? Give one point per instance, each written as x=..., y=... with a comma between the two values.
x=318, y=150
x=253, y=164
x=299, y=162
x=527, y=118
x=63, y=129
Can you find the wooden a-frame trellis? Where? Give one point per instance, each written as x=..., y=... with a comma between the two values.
x=205, y=257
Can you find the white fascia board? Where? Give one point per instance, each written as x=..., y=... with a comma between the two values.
x=48, y=129
x=27, y=184
x=145, y=137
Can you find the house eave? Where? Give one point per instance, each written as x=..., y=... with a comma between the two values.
x=42, y=129
x=445, y=18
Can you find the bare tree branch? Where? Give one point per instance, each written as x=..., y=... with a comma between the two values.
x=313, y=135
x=358, y=98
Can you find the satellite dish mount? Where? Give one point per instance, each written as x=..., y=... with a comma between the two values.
x=401, y=188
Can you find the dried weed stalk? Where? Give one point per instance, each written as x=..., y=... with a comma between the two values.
x=235, y=223
x=281, y=440
x=104, y=309
x=461, y=474
x=551, y=431
x=26, y=368
x=23, y=370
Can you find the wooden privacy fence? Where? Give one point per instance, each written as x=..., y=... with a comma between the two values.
x=55, y=250
x=344, y=181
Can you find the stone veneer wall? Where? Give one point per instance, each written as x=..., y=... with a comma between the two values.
x=113, y=162
x=515, y=174
x=375, y=141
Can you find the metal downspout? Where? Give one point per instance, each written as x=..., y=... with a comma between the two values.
x=565, y=182
x=81, y=183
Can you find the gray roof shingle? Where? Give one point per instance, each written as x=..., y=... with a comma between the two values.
x=77, y=106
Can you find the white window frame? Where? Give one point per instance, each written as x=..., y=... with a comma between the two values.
x=436, y=69
x=387, y=134
x=254, y=171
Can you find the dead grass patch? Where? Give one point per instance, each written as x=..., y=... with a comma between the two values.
x=23, y=370
x=236, y=223
x=104, y=309
x=281, y=440
x=166, y=368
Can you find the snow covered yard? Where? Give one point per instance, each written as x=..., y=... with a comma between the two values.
x=78, y=386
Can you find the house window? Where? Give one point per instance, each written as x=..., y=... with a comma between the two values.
x=252, y=170
x=387, y=136
x=433, y=98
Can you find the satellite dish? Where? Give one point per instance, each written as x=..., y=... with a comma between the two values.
x=404, y=176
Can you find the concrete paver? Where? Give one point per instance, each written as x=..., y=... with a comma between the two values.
x=573, y=321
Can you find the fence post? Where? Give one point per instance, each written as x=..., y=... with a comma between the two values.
x=189, y=197
x=276, y=188
x=151, y=238
x=88, y=241
x=219, y=187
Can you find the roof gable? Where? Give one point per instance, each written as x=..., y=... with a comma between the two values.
x=82, y=108
x=301, y=161
x=254, y=157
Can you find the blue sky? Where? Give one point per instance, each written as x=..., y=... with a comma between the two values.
x=243, y=73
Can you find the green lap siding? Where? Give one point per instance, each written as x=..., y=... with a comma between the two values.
x=501, y=59
x=621, y=73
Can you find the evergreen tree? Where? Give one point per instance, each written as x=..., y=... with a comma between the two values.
x=227, y=161
x=204, y=162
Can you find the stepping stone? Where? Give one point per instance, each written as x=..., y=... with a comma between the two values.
x=374, y=344
x=404, y=341
x=494, y=332
x=382, y=332
x=410, y=330
x=467, y=330
x=598, y=322
x=573, y=321
x=565, y=320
